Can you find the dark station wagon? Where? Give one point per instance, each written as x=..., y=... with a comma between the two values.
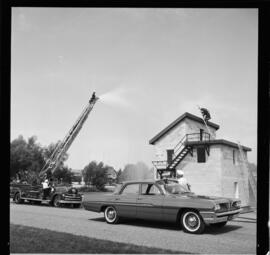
x=164, y=200
x=58, y=196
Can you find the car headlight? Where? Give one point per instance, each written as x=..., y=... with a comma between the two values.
x=217, y=207
x=72, y=191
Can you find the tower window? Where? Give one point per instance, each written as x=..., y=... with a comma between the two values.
x=201, y=155
x=234, y=157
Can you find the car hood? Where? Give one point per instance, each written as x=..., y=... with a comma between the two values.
x=215, y=199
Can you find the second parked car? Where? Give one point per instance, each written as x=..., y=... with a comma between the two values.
x=58, y=195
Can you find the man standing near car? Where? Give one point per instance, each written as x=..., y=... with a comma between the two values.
x=46, y=188
x=182, y=180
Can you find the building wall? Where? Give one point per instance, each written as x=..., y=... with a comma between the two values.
x=194, y=127
x=218, y=175
x=233, y=173
x=204, y=178
x=169, y=141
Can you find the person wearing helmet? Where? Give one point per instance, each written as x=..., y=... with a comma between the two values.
x=181, y=179
x=45, y=186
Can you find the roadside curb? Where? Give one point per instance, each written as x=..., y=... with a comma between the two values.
x=247, y=209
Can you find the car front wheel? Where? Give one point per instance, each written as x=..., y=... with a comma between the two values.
x=192, y=222
x=56, y=200
x=17, y=198
x=111, y=215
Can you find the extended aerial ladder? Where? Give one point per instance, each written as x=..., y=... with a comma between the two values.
x=56, y=157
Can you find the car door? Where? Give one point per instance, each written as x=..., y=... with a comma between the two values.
x=150, y=202
x=26, y=190
x=126, y=201
x=35, y=192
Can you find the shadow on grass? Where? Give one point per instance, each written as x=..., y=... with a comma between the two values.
x=25, y=239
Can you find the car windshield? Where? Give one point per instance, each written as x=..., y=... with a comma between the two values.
x=173, y=187
x=176, y=188
x=118, y=188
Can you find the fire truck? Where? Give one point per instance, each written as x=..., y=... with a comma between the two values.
x=58, y=194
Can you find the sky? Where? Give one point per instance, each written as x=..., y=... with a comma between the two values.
x=149, y=66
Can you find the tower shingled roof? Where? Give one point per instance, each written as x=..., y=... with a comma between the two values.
x=177, y=121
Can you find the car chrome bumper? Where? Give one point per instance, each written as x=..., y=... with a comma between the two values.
x=214, y=217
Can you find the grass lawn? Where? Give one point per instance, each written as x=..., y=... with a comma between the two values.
x=25, y=239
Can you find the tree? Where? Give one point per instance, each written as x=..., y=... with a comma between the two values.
x=138, y=171
x=96, y=174
x=63, y=174
x=27, y=157
x=118, y=176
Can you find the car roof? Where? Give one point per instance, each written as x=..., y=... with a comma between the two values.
x=148, y=181
x=140, y=181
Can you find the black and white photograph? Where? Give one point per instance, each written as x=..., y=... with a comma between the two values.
x=133, y=130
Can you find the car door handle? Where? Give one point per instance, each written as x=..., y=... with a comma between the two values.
x=117, y=198
x=140, y=198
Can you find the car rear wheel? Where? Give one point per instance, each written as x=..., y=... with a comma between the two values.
x=17, y=198
x=220, y=224
x=56, y=200
x=111, y=215
x=192, y=222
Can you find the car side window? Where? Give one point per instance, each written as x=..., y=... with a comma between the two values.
x=131, y=189
x=150, y=189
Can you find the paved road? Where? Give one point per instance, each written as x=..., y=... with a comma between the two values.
x=239, y=236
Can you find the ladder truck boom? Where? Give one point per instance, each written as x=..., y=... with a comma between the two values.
x=55, y=159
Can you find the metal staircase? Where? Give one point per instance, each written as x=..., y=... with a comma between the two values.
x=180, y=151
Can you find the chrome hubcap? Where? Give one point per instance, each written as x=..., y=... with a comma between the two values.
x=111, y=214
x=192, y=221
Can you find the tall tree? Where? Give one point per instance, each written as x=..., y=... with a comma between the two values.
x=118, y=176
x=63, y=174
x=27, y=157
x=138, y=171
x=96, y=174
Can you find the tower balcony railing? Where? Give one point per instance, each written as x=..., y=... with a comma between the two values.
x=195, y=137
x=160, y=164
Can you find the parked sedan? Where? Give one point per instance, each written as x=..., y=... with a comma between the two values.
x=164, y=200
